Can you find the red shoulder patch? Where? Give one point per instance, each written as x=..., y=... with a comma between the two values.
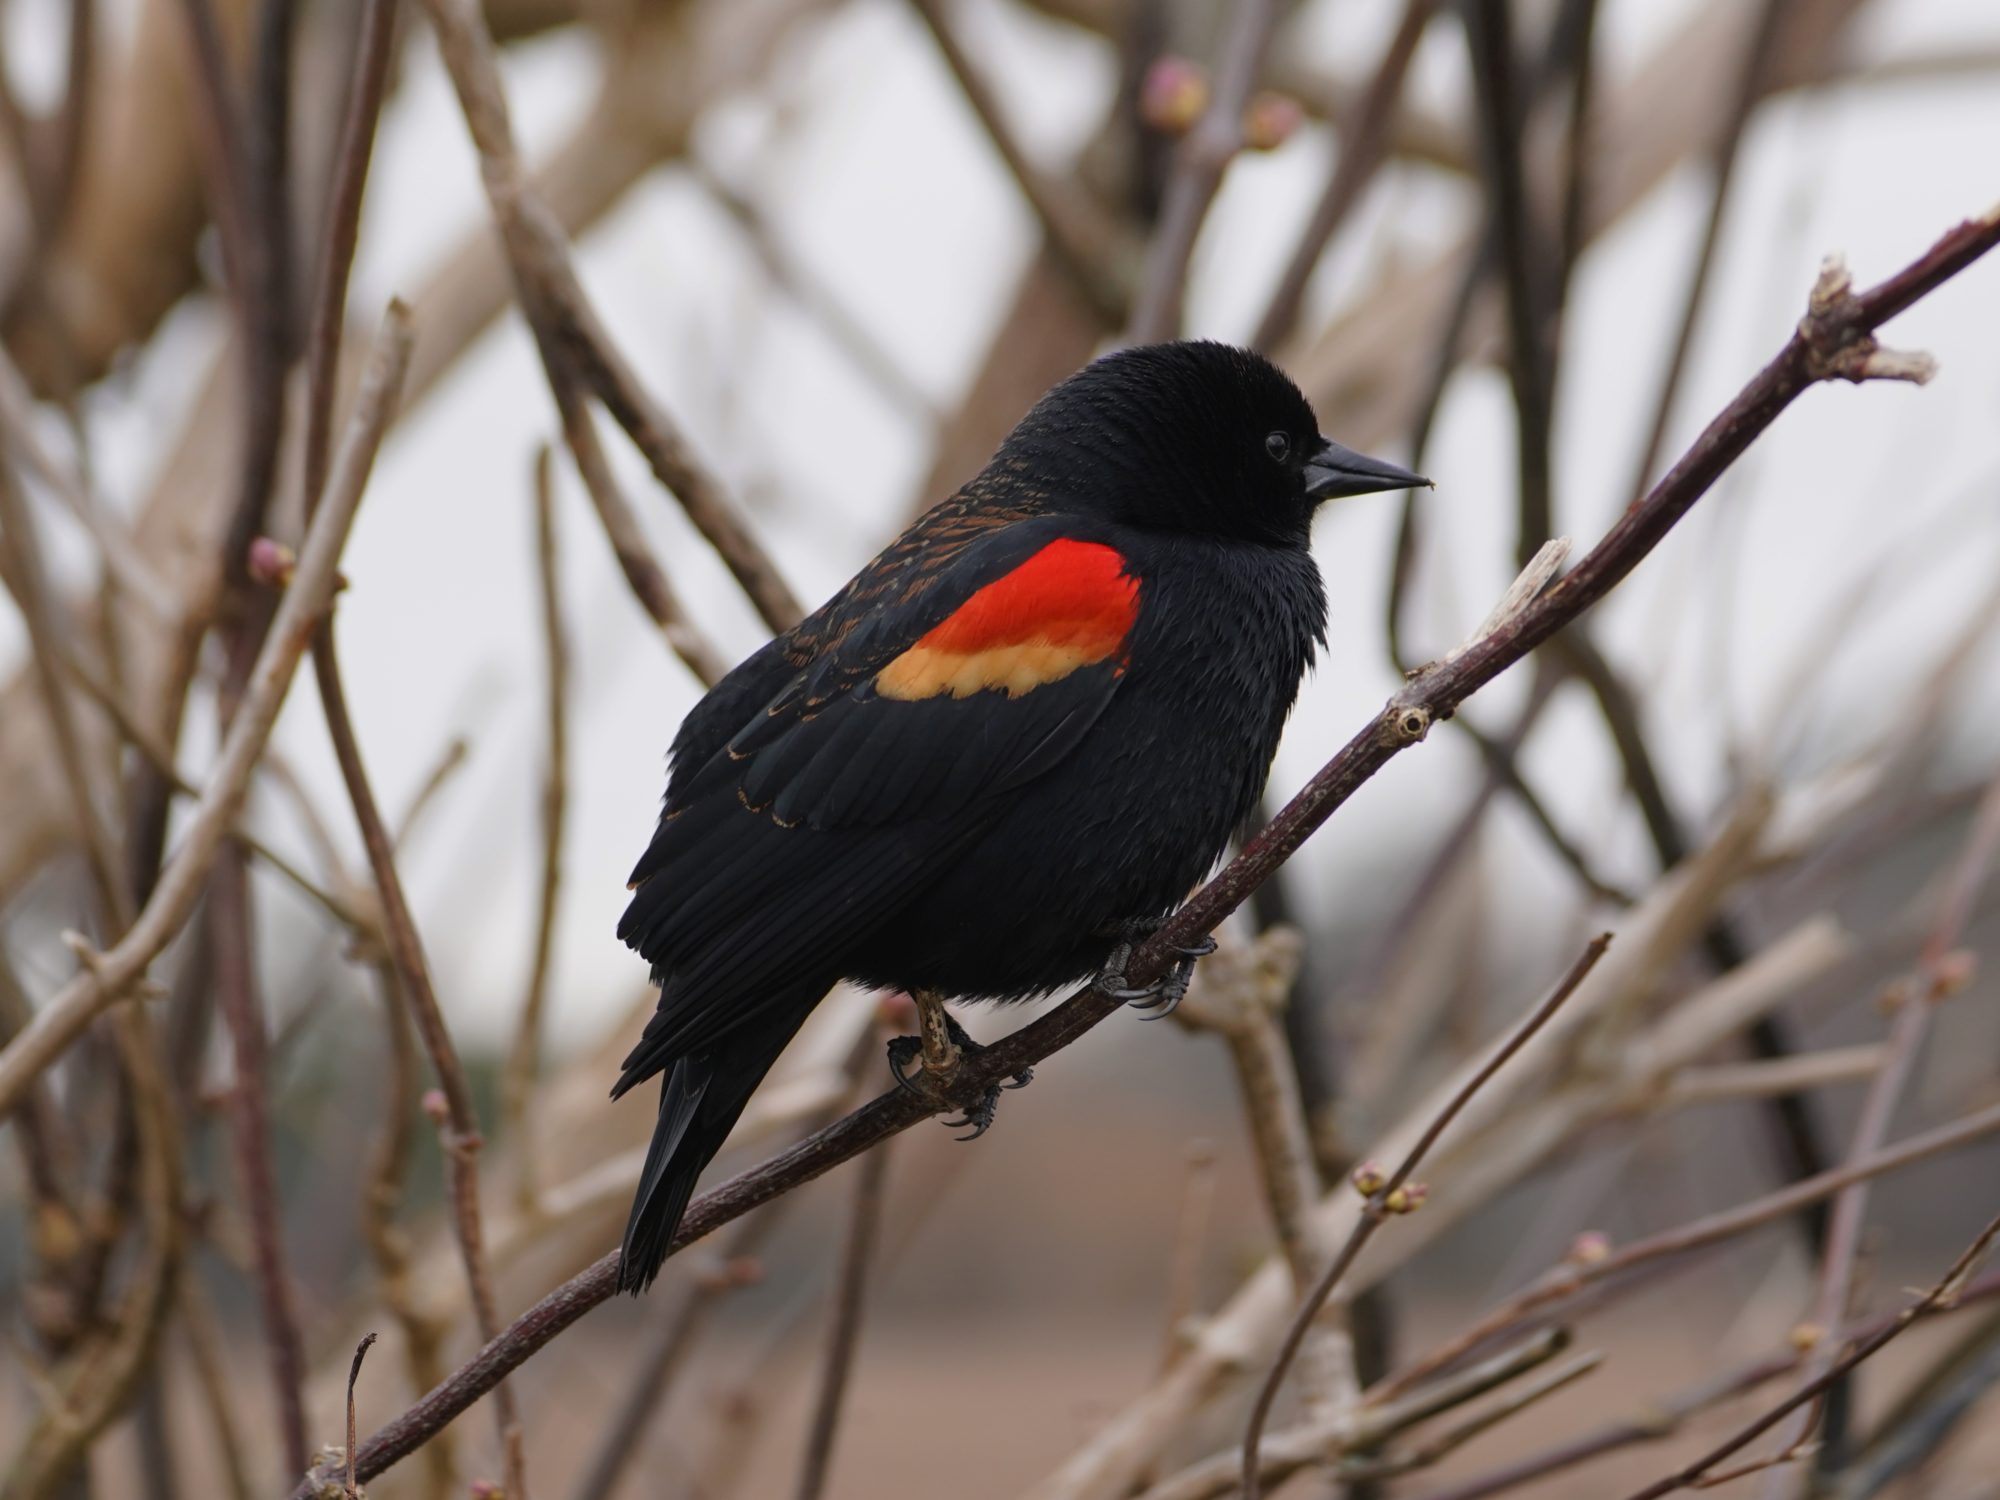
x=1068, y=606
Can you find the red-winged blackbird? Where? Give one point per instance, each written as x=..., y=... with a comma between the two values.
x=1019, y=735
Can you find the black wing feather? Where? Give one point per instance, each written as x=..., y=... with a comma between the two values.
x=804, y=808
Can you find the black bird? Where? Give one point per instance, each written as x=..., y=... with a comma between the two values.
x=1011, y=743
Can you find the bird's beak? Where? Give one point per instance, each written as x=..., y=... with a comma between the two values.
x=1334, y=471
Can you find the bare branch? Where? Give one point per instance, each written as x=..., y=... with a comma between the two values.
x=110, y=976
x=1364, y=142
x=1205, y=153
x=517, y=1083
x=1944, y=1293
x=1919, y=1001
x=851, y=1283
x=567, y=325
x=1088, y=243
x=1393, y=1196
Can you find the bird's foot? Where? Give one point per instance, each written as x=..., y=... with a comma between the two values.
x=1163, y=995
x=904, y=1050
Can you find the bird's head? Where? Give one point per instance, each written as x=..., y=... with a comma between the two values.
x=1192, y=436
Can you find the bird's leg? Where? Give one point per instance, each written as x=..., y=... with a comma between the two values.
x=943, y=1045
x=1163, y=995
x=941, y=1051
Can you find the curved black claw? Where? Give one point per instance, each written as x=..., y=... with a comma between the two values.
x=904, y=1050
x=1169, y=992
x=979, y=1115
x=1163, y=996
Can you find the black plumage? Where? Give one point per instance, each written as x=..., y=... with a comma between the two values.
x=1034, y=719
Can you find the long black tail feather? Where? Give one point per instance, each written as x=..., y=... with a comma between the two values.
x=701, y=1097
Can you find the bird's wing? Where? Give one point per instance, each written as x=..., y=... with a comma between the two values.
x=919, y=578
x=979, y=673
x=872, y=763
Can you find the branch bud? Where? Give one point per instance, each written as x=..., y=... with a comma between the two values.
x=1592, y=1247
x=1174, y=96
x=1369, y=1179
x=271, y=562
x=1953, y=972
x=1407, y=1199
x=1270, y=121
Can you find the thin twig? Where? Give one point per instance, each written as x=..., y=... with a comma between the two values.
x=1088, y=243
x=1906, y=1037
x=340, y=229
x=1928, y=1415
x=1205, y=153
x=1531, y=357
x=1659, y=1418
x=1941, y=1295
x=450, y=760
x=240, y=1006
x=135, y=733
x=109, y=976
x=1358, y=1430
x=643, y=573
x=569, y=330
x=1364, y=143
x=96, y=1379
x=1436, y=1449
x=353, y=1378
x=26, y=576
x=1388, y=1197
x=123, y=561
x=817, y=299
x=518, y=1080
x=851, y=1284
x=205, y=1352
x=667, y=1349
x=1241, y=993
x=459, y=1130
x=1190, y=1238
x=1749, y=94
x=1711, y=1229
x=1834, y=341
x=382, y=1194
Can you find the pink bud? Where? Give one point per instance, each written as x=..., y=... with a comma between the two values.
x=271, y=562
x=1589, y=1248
x=1954, y=972
x=1270, y=121
x=1175, y=95
x=434, y=1106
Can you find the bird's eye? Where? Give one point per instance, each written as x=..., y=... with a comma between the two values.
x=1279, y=446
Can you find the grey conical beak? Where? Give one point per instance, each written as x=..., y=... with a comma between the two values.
x=1334, y=471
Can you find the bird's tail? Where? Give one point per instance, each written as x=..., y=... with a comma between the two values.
x=700, y=1098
